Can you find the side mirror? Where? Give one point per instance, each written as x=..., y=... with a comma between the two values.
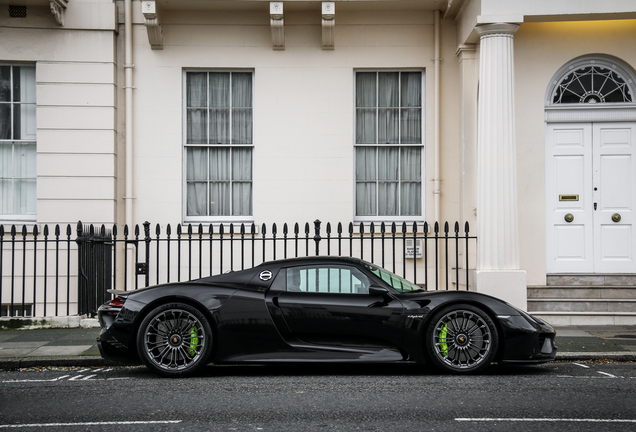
x=378, y=291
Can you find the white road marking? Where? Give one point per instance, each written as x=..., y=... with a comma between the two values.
x=607, y=374
x=582, y=365
x=49, y=380
x=546, y=420
x=91, y=424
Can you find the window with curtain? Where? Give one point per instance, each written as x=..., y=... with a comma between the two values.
x=388, y=144
x=18, y=153
x=218, y=144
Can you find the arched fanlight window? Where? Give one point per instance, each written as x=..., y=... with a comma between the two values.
x=594, y=79
x=592, y=84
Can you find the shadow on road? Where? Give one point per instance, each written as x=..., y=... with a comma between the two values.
x=358, y=370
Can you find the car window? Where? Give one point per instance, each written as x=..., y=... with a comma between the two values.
x=398, y=283
x=327, y=279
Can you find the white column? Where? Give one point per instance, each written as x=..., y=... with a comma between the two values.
x=498, y=269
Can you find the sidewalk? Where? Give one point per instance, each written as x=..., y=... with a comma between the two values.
x=77, y=346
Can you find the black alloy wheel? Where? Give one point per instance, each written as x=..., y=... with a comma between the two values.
x=175, y=340
x=461, y=339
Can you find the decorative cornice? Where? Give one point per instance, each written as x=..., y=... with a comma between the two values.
x=612, y=113
x=277, y=22
x=153, y=26
x=496, y=29
x=466, y=49
x=57, y=9
x=328, y=24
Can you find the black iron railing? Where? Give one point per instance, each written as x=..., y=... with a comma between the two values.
x=43, y=274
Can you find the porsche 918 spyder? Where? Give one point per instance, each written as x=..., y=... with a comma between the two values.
x=321, y=309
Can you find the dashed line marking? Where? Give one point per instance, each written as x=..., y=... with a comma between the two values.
x=581, y=365
x=546, y=420
x=608, y=374
x=90, y=424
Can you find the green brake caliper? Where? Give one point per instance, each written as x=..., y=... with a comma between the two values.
x=442, y=340
x=194, y=341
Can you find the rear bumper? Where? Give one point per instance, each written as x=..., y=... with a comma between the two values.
x=114, y=341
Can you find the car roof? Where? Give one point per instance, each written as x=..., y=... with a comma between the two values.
x=314, y=260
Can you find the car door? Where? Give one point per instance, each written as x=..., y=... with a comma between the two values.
x=329, y=306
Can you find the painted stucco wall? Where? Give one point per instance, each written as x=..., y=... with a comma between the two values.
x=76, y=107
x=303, y=105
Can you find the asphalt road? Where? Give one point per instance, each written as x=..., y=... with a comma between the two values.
x=554, y=397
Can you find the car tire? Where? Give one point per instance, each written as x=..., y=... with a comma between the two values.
x=175, y=340
x=461, y=339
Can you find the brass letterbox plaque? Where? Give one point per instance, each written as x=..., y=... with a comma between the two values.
x=568, y=197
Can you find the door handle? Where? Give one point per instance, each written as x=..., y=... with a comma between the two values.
x=569, y=217
x=616, y=217
x=275, y=301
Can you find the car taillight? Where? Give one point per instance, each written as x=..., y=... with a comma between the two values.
x=117, y=301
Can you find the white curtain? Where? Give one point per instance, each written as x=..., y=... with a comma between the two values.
x=18, y=152
x=366, y=101
x=411, y=181
x=366, y=181
x=388, y=179
x=219, y=114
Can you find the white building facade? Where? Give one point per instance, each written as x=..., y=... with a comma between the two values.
x=517, y=117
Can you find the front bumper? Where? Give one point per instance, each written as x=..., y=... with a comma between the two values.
x=528, y=340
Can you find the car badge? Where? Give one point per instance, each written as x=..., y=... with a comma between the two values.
x=265, y=275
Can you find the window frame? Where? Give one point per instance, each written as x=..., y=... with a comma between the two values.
x=354, y=272
x=422, y=146
x=21, y=218
x=187, y=219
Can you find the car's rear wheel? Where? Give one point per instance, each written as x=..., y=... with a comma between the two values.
x=461, y=339
x=175, y=340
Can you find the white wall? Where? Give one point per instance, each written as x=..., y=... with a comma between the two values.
x=303, y=105
x=76, y=107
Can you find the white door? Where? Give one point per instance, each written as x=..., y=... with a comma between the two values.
x=590, y=196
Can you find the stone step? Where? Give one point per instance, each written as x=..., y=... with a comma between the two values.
x=586, y=318
x=582, y=305
x=591, y=280
x=581, y=292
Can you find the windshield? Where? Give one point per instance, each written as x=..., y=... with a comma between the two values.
x=400, y=284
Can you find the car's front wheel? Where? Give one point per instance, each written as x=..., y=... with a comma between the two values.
x=461, y=339
x=174, y=340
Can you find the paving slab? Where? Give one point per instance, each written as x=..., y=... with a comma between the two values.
x=56, y=350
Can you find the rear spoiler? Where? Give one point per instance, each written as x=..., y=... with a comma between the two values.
x=119, y=293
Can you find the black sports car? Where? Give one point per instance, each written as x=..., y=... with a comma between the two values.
x=322, y=309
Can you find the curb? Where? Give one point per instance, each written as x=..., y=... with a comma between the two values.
x=48, y=323
x=580, y=356
x=88, y=361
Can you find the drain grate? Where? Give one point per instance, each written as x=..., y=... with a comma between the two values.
x=629, y=336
